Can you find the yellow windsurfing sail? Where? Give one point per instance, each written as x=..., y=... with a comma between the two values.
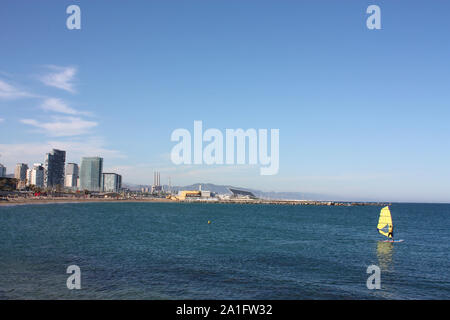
x=385, y=221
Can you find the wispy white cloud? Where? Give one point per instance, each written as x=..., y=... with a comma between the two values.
x=8, y=91
x=61, y=78
x=1, y=119
x=35, y=152
x=90, y=147
x=58, y=105
x=62, y=126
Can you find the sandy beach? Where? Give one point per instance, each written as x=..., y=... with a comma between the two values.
x=26, y=201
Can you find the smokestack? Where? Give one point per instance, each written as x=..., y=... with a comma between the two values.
x=156, y=178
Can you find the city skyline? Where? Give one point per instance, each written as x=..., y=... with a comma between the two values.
x=361, y=113
x=54, y=173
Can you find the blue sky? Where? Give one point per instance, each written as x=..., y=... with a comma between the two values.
x=362, y=113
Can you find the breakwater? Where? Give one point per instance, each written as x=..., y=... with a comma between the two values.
x=292, y=202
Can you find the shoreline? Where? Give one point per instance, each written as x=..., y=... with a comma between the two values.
x=31, y=201
x=75, y=200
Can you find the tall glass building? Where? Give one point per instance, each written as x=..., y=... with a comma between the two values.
x=54, y=168
x=91, y=173
x=2, y=170
x=112, y=182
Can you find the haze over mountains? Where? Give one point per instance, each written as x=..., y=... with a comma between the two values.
x=270, y=195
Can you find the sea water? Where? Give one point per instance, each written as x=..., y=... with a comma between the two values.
x=248, y=251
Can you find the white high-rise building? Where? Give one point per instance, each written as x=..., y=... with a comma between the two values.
x=35, y=176
x=29, y=176
x=71, y=178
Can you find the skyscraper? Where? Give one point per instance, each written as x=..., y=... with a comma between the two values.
x=71, y=175
x=91, y=173
x=2, y=170
x=112, y=182
x=54, y=168
x=35, y=176
x=20, y=173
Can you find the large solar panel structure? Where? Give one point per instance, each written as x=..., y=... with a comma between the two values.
x=242, y=193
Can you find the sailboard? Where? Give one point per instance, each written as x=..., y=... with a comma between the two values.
x=385, y=224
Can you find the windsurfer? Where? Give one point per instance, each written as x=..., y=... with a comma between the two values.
x=391, y=231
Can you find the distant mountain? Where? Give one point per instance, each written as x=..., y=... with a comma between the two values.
x=272, y=195
x=223, y=189
x=268, y=195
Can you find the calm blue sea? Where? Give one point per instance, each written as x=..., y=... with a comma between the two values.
x=169, y=251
